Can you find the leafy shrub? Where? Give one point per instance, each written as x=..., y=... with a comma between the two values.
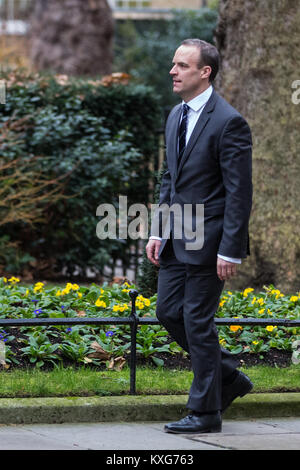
x=97, y=140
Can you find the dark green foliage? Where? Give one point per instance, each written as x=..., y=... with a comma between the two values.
x=102, y=138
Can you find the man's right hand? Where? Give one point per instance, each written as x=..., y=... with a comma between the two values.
x=152, y=249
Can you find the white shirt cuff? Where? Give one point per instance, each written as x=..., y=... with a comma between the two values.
x=231, y=260
x=155, y=238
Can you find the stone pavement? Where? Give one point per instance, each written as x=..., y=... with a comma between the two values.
x=250, y=434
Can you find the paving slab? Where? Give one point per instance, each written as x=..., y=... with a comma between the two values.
x=255, y=434
x=280, y=434
x=101, y=436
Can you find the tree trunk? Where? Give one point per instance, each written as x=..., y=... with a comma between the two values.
x=72, y=36
x=259, y=45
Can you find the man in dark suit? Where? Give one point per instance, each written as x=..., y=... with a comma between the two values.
x=208, y=156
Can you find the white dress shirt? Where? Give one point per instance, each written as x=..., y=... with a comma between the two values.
x=196, y=106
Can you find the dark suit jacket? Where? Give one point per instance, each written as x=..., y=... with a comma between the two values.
x=215, y=170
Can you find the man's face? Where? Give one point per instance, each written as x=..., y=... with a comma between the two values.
x=188, y=80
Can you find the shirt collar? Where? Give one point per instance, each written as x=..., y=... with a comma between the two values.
x=196, y=103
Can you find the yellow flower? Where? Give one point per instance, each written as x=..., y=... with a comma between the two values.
x=100, y=303
x=120, y=308
x=254, y=342
x=69, y=287
x=147, y=302
x=294, y=298
x=222, y=303
x=125, y=290
x=79, y=294
x=229, y=293
x=260, y=301
x=140, y=305
x=27, y=292
x=38, y=286
x=123, y=307
x=269, y=312
x=247, y=291
x=58, y=293
x=235, y=327
x=254, y=300
x=4, y=279
x=277, y=292
x=14, y=279
x=261, y=311
x=222, y=342
x=270, y=327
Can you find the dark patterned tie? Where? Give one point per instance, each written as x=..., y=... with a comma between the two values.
x=182, y=132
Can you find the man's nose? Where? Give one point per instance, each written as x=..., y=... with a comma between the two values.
x=173, y=70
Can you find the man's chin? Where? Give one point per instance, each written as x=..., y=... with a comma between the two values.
x=176, y=90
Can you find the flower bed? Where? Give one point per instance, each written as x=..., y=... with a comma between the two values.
x=109, y=345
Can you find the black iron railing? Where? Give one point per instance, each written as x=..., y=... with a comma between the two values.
x=134, y=320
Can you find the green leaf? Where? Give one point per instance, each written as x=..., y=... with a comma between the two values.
x=157, y=361
x=236, y=349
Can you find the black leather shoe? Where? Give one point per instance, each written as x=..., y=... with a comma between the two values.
x=238, y=388
x=193, y=424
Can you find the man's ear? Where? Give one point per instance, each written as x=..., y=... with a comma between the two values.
x=206, y=71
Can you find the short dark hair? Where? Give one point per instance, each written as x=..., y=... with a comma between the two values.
x=209, y=55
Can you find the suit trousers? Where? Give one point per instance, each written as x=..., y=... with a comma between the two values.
x=188, y=297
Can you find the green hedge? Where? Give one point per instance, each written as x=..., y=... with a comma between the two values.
x=97, y=142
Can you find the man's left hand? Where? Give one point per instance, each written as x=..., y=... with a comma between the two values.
x=226, y=269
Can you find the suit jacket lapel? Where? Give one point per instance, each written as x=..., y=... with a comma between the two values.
x=172, y=143
x=200, y=125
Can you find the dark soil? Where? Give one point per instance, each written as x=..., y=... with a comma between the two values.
x=273, y=358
